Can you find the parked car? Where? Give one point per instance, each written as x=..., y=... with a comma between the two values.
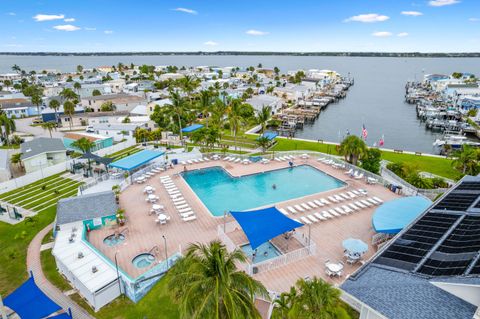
x=89, y=129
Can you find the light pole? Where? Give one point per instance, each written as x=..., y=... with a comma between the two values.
x=166, y=253
x=118, y=274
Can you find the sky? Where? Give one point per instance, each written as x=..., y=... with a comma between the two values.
x=240, y=25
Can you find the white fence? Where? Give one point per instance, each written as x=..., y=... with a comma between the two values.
x=115, y=148
x=34, y=176
x=308, y=250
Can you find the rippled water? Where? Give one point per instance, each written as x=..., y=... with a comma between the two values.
x=376, y=99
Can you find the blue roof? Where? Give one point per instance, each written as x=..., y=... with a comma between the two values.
x=391, y=217
x=269, y=135
x=399, y=295
x=264, y=224
x=135, y=160
x=28, y=301
x=192, y=128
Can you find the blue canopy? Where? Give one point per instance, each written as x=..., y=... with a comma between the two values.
x=355, y=245
x=192, y=128
x=391, y=217
x=135, y=160
x=264, y=224
x=28, y=301
x=269, y=135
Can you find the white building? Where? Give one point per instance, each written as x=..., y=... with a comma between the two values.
x=41, y=153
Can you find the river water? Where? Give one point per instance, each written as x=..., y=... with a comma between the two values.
x=376, y=100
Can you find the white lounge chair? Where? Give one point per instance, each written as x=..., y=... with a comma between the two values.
x=190, y=218
x=338, y=198
x=350, y=171
x=177, y=199
x=333, y=212
x=364, y=202
x=363, y=191
x=339, y=210
x=292, y=210
x=319, y=216
x=184, y=210
x=345, y=196
x=323, y=200
x=377, y=199
x=299, y=208
x=356, y=192
x=352, y=195
x=312, y=204
x=347, y=209
x=178, y=203
x=327, y=215
x=304, y=205
x=306, y=220
x=353, y=206
x=283, y=211
x=360, y=176
x=374, y=202
x=312, y=218
x=319, y=203
x=165, y=176
x=187, y=214
x=182, y=206
x=359, y=204
x=331, y=198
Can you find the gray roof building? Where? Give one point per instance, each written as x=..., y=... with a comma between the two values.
x=431, y=269
x=85, y=207
x=41, y=145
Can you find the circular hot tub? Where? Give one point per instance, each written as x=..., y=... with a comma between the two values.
x=143, y=260
x=114, y=240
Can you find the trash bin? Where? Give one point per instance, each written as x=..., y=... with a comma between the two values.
x=174, y=161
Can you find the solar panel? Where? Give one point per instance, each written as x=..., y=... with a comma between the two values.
x=474, y=186
x=414, y=244
x=456, y=201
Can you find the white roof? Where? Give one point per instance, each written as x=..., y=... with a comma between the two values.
x=81, y=268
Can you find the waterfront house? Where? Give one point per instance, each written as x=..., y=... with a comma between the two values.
x=122, y=101
x=259, y=101
x=292, y=92
x=119, y=131
x=41, y=153
x=99, y=141
x=431, y=269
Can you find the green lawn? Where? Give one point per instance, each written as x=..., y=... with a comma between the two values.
x=50, y=270
x=435, y=165
x=14, y=239
x=124, y=153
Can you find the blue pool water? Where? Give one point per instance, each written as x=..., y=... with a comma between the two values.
x=143, y=260
x=264, y=252
x=221, y=192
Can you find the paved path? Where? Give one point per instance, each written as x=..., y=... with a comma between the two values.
x=34, y=265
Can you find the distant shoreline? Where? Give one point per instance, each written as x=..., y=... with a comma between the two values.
x=257, y=53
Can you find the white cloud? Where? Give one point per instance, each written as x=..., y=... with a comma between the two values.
x=13, y=45
x=412, y=13
x=382, y=34
x=108, y=31
x=368, y=18
x=211, y=43
x=48, y=17
x=66, y=27
x=11, y=14
x=90, y=29
x=256, y=32
x=473, y=19
x=69, y=19
x=402, y=34
x=185, y=10
x=441, y=3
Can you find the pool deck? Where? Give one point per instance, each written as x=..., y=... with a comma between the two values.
x=143, y=233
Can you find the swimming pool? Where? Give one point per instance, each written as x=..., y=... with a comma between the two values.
x=221, y=192
x=264, y=252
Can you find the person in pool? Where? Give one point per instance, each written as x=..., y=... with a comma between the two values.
x=274, y=186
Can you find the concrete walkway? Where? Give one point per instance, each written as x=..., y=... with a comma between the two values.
x=34, y=265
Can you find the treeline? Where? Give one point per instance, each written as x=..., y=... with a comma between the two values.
x=264, y=53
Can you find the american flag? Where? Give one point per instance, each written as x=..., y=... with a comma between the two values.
x=364, y=132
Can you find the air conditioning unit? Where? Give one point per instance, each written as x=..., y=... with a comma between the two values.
x=94, y=269
x=80, y=255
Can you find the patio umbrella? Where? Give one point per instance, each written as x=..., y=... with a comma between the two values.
x=355, y=245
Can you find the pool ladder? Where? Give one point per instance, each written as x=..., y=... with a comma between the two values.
x=121, y=232
x=154, y=250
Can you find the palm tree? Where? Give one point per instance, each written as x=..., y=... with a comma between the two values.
x=465, y=160
x=317, y=299
x=79, y=68
x=205, y=104
x=68, y=94
x=178, y=109
x=16, y=69
x=263, y=116
x=235, y=118
x=37, y=100
x=54, y=105
x=108, y=107
x=353, y=148
x=207, y=284
x=69, y=110
x=8, y=126
x=85, y=145
x=17, y=159
x=263, y=142
x=50, y=126
x=77, y=86
x=283, y=304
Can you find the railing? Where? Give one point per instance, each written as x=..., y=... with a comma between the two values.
x=97, y=180
x=225, y=239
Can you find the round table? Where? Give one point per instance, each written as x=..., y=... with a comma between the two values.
x=334, y=267
x=149, y=189
x=162, y=217
x=152, y=196
x=157, y=207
